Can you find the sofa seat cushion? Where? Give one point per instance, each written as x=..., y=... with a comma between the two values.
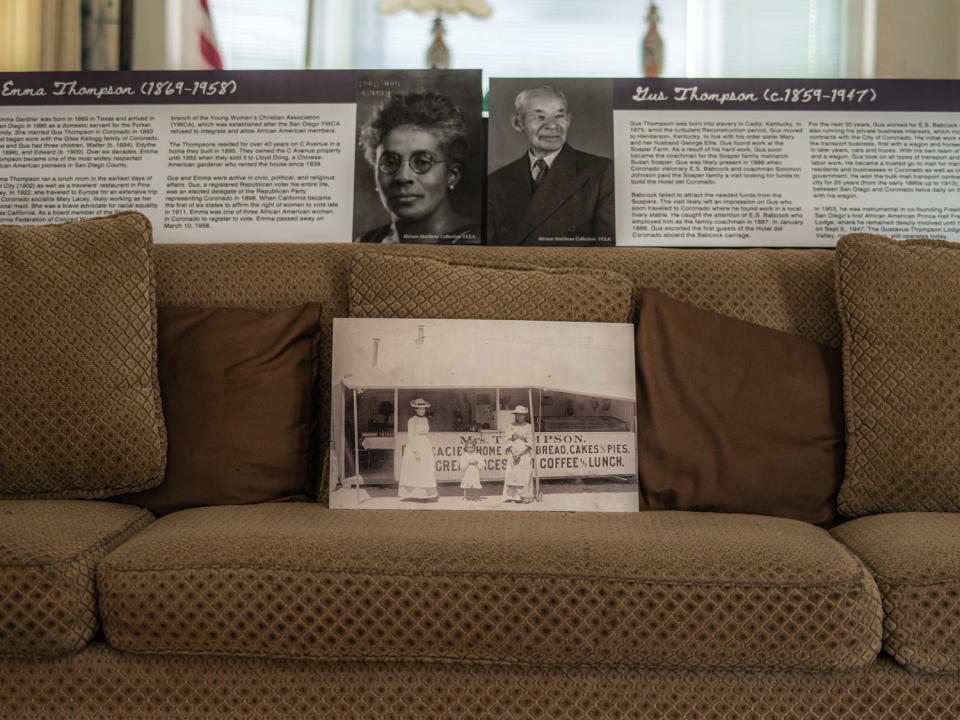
x=670, y=589
x=49, y=550
x=915, y=559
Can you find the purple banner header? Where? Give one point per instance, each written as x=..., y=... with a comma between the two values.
x=176, y=87
x=780, y=94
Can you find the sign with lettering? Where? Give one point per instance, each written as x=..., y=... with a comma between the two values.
x=785, y=162
x=207, y=156
x=722, y=162
x=588, y=454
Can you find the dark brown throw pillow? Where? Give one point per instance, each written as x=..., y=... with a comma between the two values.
x=735, y=417
x=237, y=389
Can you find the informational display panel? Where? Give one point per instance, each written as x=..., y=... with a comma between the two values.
x=393, y=156
x=725, y=163
x=206, y=156
x=785, y=163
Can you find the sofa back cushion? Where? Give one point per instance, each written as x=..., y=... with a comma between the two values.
x=899, y=307
x=80, y=412
x=415, y=287
x=788, y=290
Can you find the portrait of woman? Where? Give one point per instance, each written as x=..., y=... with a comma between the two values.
x=518, y=480
x=418, y=478
x=416, y=145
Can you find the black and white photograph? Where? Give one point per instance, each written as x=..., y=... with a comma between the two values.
x=418, y=175
x=550, y=167
x=483, y=415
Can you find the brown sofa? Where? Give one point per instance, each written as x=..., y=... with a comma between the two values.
x=287, y=610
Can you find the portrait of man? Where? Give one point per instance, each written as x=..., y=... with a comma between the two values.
x=554, y=193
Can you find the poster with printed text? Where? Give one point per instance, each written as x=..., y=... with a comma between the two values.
x=206, y=156
x=720, y=162
x=785, y=163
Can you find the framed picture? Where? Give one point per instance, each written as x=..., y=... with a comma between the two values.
x=550, y=162
x=418, y=162
x=483, y=415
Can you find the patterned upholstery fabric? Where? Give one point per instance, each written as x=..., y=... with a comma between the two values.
x=666, y=589
x=103, y=683
x=48, y=555
x=788, y=290
x=80, y=413
x=899, y=305
x=915, y=559
x=406, y=287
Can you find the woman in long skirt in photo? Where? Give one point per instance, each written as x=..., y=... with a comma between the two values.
x=518, y=481
x=418, y=478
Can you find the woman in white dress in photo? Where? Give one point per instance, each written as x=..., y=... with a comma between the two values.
x=518, y=481
x=418, y=478
x=470, y=463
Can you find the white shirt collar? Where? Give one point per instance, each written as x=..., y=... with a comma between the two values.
x=546, y=158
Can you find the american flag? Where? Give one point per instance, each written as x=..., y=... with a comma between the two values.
x=199, y=41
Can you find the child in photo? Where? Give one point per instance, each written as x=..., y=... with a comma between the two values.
x=470, y=464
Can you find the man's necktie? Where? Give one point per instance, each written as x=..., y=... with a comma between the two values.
x=539, y=171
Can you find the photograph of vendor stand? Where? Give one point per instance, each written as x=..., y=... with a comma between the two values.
x=483, y=415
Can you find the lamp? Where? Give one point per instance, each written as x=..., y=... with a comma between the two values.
x=438, y=55
x=651, y=47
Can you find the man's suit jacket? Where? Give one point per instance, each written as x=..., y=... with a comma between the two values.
x=574, y=200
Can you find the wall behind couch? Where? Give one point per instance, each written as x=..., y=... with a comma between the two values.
x=919, y=39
